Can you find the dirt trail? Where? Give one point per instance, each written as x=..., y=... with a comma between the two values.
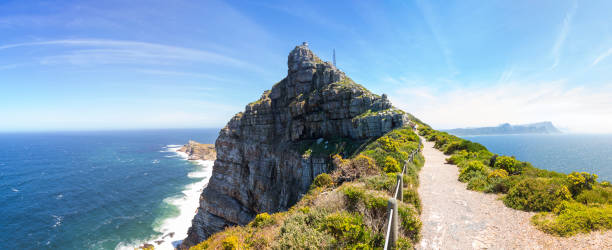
x=456, y=218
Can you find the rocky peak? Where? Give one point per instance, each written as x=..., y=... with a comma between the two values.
x=306, y=72
x=261, y=162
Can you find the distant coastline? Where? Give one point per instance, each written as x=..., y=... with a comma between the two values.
x=508, y=129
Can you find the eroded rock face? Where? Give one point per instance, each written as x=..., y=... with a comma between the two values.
x=258, y=167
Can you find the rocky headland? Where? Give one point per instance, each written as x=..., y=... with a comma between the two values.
x=268, y=155
x=199, y=151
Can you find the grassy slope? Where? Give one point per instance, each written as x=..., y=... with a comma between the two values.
x=568, y=204
x=344, y=209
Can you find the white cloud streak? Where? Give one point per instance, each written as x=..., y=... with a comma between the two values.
x=565, y=29
x=97, y=51
x=602, y=57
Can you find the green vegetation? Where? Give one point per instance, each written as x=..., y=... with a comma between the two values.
x=329, y=147
x=570, y=218
x=323, y=180
x=568, y=204
x=370, y=112
x=391, y=165
x=346, y=209
x=262, y=220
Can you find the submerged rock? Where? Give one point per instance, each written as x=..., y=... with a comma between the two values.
x=267, y=155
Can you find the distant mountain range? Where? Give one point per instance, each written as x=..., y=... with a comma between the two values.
x=506, y=128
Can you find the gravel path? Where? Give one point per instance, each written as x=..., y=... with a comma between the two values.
x=456, y=218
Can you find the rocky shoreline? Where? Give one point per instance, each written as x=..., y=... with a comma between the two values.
x=203, y=155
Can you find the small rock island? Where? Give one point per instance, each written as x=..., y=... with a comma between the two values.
x=199, y=151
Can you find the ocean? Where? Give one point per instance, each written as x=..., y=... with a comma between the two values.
x=120, y=189
x=563, y=153
x=98, y=190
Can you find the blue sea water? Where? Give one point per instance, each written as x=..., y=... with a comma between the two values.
x=563, y=153
x=90, y=190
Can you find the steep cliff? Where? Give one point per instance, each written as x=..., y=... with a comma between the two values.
x=268, y=155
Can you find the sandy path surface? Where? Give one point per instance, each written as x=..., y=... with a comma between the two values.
x=456, y=218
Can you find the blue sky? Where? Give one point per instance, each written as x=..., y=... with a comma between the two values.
x=78, y=65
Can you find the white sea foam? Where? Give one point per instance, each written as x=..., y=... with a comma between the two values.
x=187, y=203
x=58, y=220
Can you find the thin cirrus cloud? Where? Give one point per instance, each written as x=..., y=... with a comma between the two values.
x=602, y=57
x=97, y=51
x=565, y=29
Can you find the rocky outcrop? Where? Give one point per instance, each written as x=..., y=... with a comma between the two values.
x=261, y=164
x=199, y=151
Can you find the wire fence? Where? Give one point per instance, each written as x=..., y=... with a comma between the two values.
x=393, y=227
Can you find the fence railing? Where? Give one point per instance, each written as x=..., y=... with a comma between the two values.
x=391, y=236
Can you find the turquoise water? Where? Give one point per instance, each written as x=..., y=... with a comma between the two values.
x=90, y=190
x=562, y=153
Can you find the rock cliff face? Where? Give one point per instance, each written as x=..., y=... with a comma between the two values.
x=265, y=157
x=199, y=151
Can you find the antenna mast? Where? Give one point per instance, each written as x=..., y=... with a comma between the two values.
x=334, y=57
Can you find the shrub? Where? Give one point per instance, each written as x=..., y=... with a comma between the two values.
x=262, y=220
x=376, y=203
x=403, y=243
x=534, y=194
x=410, y=222
x=511, y=165
x=410, y=180
x=457, y=157
x=391, y=165
x=597, y=195
x=478, y=182
x=570, y=218
x=363, y=162
x=384, y=182
x=457, y=144
x=300, y=231
x=322, y=180
x=605, y=183
x=493, y=160
x=452, y=147
x=472, y=169
x=580, y=181
x=388, y=144
x=411, y=196
x=347, y=229
x=348, y=170
x=498, y=173
x=353, y=195
x=230, y=243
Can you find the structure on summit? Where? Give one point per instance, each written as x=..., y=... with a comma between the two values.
x=265, y=157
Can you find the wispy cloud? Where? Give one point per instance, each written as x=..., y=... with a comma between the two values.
x=602, y=56
x=98, y=51
x=181, y=73
x=565, y=29
x=9, y=66
x=432, y=22
x=506, y=75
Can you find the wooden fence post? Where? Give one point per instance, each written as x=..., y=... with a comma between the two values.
x=393, y=235
x=400, y=190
